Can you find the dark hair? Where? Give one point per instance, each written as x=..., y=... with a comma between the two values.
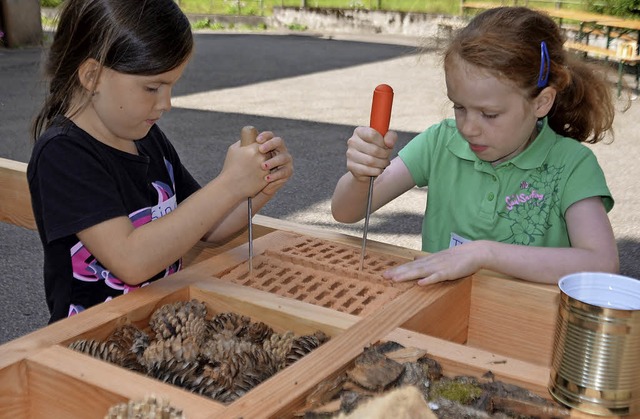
x=507, y=41
x=141, y=37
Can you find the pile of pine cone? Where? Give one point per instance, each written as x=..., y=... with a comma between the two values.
x=222, y=358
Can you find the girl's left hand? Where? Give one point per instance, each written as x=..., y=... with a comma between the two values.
x=278, y=161
x=446, y=265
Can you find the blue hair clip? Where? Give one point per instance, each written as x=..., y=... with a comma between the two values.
x=545, y=65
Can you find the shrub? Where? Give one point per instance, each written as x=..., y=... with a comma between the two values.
x=630, y=8
x=50, y=3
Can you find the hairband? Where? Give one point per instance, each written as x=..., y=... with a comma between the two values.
x=545, y=65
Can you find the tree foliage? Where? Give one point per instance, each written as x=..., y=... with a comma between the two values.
x=625, y=8
x=50, y=3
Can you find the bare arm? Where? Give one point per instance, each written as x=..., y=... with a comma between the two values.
x=368, y=155
x=136, y=254
x=593, y=248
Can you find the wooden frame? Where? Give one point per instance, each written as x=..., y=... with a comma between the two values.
x=15, y=201
x=479, y=323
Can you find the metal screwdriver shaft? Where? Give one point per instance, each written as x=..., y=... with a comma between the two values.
x=380, y=118
x=248, y=136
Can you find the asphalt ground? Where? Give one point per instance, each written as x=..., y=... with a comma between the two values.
x=311, y=89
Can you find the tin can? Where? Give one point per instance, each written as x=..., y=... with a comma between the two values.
x=595, y=366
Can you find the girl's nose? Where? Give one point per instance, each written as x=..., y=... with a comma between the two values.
x=164, y=101
x=469, y=126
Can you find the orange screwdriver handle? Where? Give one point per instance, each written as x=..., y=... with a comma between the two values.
x=381, y=108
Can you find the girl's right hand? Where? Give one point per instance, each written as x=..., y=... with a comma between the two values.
x=243, y=169
x=368, y=153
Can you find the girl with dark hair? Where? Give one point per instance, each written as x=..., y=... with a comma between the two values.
x=114, y=206
x=510, y=186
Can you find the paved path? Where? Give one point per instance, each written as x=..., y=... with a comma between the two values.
x=312, y=90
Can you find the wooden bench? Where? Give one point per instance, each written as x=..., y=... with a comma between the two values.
x=534, y=4
x=607, y=54
x=476, y=6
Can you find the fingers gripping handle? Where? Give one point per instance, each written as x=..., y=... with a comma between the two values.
x=381, y=108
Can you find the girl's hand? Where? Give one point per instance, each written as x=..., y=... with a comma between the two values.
x=278, y=162
x=453, y=263
x=368, y=153
x=244, y=169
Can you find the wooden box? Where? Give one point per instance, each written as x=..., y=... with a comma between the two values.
x=471, y=326
x=477, y=324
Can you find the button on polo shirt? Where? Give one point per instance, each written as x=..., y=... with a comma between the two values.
x=520, y=201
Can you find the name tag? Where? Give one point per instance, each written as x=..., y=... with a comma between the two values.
x=457, y=240
x=164, y=208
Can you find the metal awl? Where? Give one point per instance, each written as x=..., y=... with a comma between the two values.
x=248, y=136
x=380, y=118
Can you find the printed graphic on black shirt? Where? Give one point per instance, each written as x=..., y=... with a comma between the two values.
x=87, y=268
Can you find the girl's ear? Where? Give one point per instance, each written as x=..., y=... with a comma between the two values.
x=88, y=74
x=544, y=101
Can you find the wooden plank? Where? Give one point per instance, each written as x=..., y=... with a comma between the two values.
x=579, y=15
x=284, y=393
x=620, y=23
x=65, y=383
x=599, y=52
x=15, y=200
x=14, y=391
x=481, y=5
x=447, y=318
x=280, y=313
x=467, y=360
x=513, y=318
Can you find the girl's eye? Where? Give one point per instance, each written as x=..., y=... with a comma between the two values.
x=151, y=89
x=457, y=108
x=490, y=116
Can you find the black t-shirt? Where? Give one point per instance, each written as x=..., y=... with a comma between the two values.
x=77, y=182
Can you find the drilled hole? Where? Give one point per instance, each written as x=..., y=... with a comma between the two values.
x=288, y=280
x=349, y=302
x=269, y=281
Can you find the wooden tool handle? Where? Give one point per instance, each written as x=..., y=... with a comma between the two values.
x=248, y=135
x=381, y=108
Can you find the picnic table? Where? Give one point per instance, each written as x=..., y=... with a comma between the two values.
x=588, y=24
x=611, y=27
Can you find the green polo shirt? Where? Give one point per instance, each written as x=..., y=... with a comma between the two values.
x=520, y=201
